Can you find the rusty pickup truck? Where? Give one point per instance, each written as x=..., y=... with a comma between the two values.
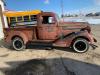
x=45, y=27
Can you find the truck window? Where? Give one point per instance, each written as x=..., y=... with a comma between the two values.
x=48, y=20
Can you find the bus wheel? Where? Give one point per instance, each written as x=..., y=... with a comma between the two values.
x=80, y=45
x=18, y=44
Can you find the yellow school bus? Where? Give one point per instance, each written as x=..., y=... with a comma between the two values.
x=22, y=17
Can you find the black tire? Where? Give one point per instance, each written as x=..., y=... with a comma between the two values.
x=18, y=44
x=80, y=45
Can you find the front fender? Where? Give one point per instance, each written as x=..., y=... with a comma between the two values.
x=80, y=34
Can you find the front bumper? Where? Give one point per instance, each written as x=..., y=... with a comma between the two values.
x=93, y=45
x=94, y=40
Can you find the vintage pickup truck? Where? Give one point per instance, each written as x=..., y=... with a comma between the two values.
x=45, y=27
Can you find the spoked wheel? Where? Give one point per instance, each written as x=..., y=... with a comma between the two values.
x=18, y=44
x=80, y=45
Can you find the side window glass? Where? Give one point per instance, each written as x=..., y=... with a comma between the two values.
x=48, y=20
x=51, y=20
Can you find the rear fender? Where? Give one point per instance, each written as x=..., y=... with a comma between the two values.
x=17, y=34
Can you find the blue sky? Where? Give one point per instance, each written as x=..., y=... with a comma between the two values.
x=70, y=6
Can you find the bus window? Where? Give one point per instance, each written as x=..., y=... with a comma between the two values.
x=33, y=18
x=23, y=20
x=12, y=19
x=26, y=19
x=19, y=19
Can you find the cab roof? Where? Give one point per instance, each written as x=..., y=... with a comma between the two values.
x=21, y=13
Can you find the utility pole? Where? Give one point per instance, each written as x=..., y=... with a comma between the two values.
x=62, y=9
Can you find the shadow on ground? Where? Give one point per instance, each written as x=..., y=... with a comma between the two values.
x=53, y=66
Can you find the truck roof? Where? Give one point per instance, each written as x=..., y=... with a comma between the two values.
x=21, y=13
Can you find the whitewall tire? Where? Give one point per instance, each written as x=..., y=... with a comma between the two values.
x=80, y=45
x=18, y=44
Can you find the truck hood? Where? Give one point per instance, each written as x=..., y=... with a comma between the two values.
x=74, y=24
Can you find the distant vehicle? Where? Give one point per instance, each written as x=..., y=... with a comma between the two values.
x=45, y=27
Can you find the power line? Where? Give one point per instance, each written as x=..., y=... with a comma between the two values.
x=62, y=9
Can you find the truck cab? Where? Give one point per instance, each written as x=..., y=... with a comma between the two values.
x=38, y=26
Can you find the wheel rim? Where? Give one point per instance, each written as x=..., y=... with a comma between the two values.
x=80, y=46
x=17, y=44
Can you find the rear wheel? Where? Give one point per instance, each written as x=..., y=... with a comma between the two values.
x=80, y=45
x=18, y=44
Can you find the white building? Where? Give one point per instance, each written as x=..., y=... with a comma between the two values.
x=2, y=4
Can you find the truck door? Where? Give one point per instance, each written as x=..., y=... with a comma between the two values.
x=47, y=28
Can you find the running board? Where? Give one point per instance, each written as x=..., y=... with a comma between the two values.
x=41, y=43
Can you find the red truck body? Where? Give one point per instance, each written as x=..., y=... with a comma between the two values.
x=49, y=30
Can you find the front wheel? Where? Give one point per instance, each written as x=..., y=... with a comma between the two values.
x=80, y=45
x=18, y=44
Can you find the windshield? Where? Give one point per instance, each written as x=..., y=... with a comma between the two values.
x=57, y=17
